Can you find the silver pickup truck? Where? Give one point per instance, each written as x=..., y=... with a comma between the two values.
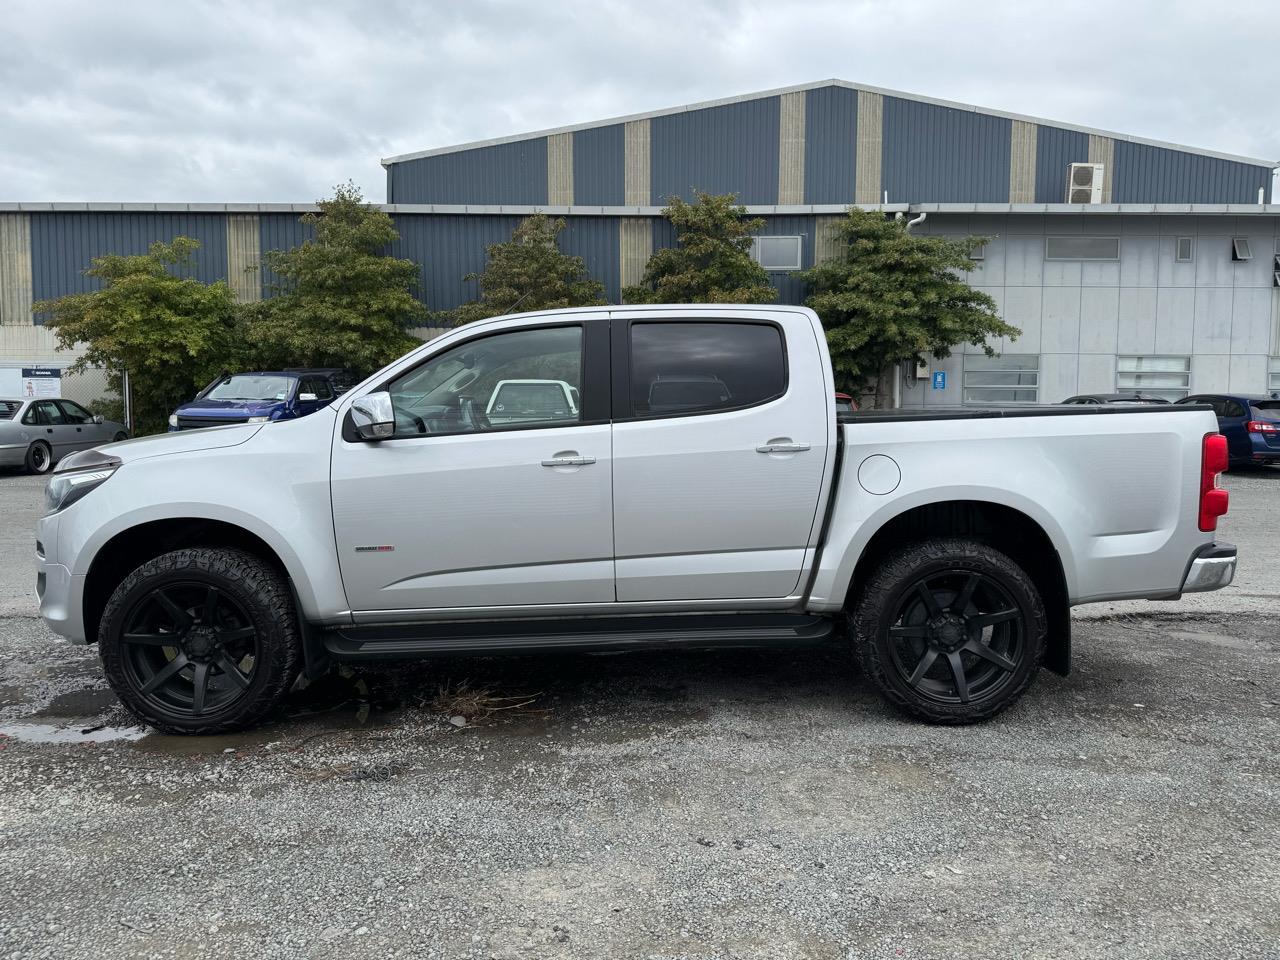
x=703, y=492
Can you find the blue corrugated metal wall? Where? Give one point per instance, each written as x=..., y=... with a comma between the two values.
x=447, y=249
x=1145, y=174
x=830, y=149
x=1056, y=150
x=279, y=231
x=729, y=149
x=504, y=173
x=791, y=290
x=63, y=244
x=595, y=239
x=939, y=155
x=598, y=166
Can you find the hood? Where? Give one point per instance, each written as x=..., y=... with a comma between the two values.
x=185, y=441
x=229, y=408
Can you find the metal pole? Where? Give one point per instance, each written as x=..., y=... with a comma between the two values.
x=126, y=398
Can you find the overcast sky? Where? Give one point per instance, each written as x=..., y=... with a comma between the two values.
x=255, y=101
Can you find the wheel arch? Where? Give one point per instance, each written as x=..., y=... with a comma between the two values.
x=129, y=548
x=1004, y=528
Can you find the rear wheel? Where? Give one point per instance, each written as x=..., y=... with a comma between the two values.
x=39, y=458
x=201, y=641
x=952, y=631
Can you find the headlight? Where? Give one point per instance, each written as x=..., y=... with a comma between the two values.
x=173, y=419
x=257, y=420
x=76, y=476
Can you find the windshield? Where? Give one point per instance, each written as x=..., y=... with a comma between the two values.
x=252, y=386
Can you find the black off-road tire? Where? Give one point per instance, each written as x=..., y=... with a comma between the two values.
x=39, y=458
x=898, y=580
x=238, y=578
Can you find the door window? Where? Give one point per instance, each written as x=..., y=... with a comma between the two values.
x=75, y=413
x=44, y=413
x=517, y=380
x=1232, y=409
x=679, y=369
x=317, y=386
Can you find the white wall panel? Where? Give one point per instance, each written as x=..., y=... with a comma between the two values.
x=1212, y=330
x=1097, y=373
x=1251, y=320
x=1023, y=260
x=1060, y=332
x=1248, y=373
x=1139, y=261
x=1059, y=374
x=1175, y=319
x=1136, y=330
x=1210, y=373
x=1099, y=319
x=1022, y=308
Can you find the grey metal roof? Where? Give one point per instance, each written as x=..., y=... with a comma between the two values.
x=764, y=210
x=704, y=104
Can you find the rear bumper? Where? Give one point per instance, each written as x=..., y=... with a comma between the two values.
x=1212, y=568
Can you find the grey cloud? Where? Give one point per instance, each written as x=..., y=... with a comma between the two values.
x=240, y=101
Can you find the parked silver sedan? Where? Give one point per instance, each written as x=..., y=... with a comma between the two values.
x=36, y=434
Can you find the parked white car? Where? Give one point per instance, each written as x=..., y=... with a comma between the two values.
x=532, y=401
x=212, y=566
x=37, y=433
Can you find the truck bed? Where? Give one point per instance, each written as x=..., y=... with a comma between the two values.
x=987, y=413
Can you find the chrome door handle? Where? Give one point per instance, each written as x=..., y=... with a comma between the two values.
x=775, y=446
x=568, y=461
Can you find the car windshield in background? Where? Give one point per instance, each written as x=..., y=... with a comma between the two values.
x=249, y=387
x=8, y=408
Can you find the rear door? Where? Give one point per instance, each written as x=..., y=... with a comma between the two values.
x=720, y=442
x=1233, y=419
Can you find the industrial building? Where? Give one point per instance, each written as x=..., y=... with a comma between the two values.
x=1126, y=262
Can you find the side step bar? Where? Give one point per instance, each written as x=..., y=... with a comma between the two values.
x=401, y=641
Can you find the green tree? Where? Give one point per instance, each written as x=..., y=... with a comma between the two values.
x=711, y=262
x=892, y=296
x=172, y=333
x=529, y=272
x=341, y=301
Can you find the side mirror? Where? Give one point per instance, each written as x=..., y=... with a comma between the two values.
x=374, y=417
x=304, y=397
x=98, y=419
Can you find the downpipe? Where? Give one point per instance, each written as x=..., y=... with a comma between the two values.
x=918, y=220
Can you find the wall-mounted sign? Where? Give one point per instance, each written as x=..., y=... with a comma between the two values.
x=41, y=382
x=939, y=379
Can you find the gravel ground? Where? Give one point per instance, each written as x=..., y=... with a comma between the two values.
x=747, y=804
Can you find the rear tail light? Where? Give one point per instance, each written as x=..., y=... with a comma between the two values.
x=1213, y=499
x=1261, y=426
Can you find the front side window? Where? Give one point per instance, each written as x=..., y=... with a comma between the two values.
x=1167, y=377
x=252, y=386
x=74, y=413
x=318, y=387
x=1008, y=378
x=525, y=378
x=686, y=368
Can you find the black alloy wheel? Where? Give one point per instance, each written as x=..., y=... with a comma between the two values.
x=39, y=458
x=201, y=640
x=190, y=650
x=950, y=630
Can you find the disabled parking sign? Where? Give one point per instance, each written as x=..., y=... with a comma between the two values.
x=939, y=379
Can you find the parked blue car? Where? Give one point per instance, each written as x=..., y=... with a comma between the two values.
x=261, y=396
x=1250, y=422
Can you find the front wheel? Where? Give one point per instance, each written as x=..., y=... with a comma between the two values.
x=201, y=640
x=951, y=631
x=120, y=437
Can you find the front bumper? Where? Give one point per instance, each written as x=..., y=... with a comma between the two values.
x=1212, y=568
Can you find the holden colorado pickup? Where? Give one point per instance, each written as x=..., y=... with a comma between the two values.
x=946, y=547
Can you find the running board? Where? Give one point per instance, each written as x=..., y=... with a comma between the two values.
x=409, y=640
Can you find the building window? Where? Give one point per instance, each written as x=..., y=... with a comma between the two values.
x=1186, y=249
x=1008, y=378
x=776, y=254
x=1168, y=377
x=1082, y=248
x=1273, y=373
x=1240, y=250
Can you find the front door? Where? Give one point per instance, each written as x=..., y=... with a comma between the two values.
x=466, y=510
x=87, y=432
x=721, y=437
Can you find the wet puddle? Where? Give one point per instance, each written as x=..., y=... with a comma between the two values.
x=51, y=733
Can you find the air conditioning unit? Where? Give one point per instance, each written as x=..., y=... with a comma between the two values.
x=1084, y=182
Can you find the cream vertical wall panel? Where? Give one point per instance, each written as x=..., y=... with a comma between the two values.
x=1103, y=150
x=244, y=257
x=1022, y=162
x=635, y=245
x=636, y=164
x=32, y=343
x=15, y=269
x=826, y=244
x=870, y=146
x=791, y=147
x=560, y=170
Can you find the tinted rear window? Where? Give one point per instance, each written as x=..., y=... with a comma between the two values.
x=682, y=368
x=1269, y=408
